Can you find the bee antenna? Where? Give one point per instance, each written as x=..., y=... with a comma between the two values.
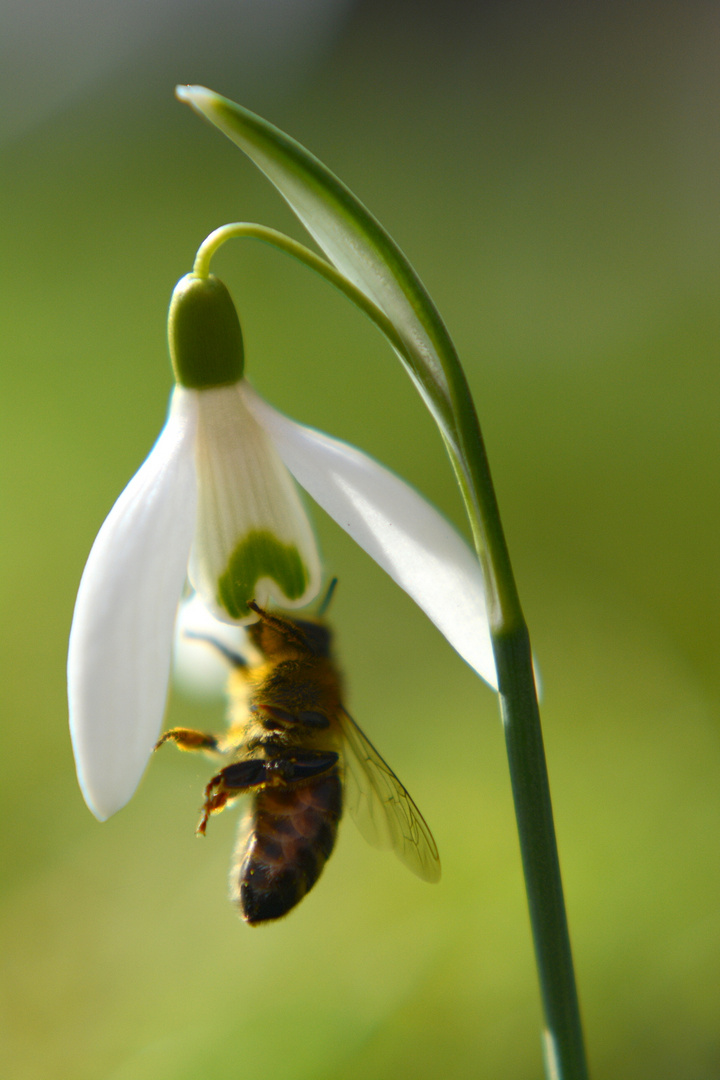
x=325, y=603
x=287, y=627
x=230, y=655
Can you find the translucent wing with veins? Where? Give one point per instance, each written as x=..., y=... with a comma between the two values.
x=381, y=807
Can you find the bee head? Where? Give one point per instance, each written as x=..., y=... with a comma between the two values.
x=317, y=636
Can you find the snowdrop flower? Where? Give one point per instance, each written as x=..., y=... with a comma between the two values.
x=215, y=503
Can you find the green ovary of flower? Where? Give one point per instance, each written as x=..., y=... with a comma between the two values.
x=260, y=555
x=204, y=335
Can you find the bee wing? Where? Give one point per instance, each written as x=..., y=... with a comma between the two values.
x=381, y=807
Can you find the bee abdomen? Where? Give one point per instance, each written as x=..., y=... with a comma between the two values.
x=292, y=833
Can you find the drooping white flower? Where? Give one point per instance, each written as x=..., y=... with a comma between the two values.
x=214, y=502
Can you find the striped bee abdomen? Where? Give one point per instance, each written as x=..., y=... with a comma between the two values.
x=287, y=840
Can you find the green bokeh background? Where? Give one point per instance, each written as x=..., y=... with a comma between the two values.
x=552, y=172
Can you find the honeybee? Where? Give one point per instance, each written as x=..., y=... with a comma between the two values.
x=301, y=757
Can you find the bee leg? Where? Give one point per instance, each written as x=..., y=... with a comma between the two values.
x=230, y=782
x=188, y=739
x=243, y=776
x=302, y=764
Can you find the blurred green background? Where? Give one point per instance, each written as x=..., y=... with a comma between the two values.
x=552, y=172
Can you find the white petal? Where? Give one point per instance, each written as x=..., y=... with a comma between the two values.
x=405, y=535
x=121, y=637
x=253, y=537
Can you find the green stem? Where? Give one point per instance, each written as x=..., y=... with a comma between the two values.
x=563, y=1044
x=458, y=424
x=251, y=230
x=563, y=1039
x=439, y=407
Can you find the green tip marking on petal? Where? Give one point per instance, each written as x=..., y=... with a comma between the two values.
x=204, y=335
x=260, y=555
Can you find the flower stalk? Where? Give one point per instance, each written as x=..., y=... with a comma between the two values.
x=563, y=1043
x=369, y=267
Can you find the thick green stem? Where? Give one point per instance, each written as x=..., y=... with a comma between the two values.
x=563, y=1038
x=563, y=1041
